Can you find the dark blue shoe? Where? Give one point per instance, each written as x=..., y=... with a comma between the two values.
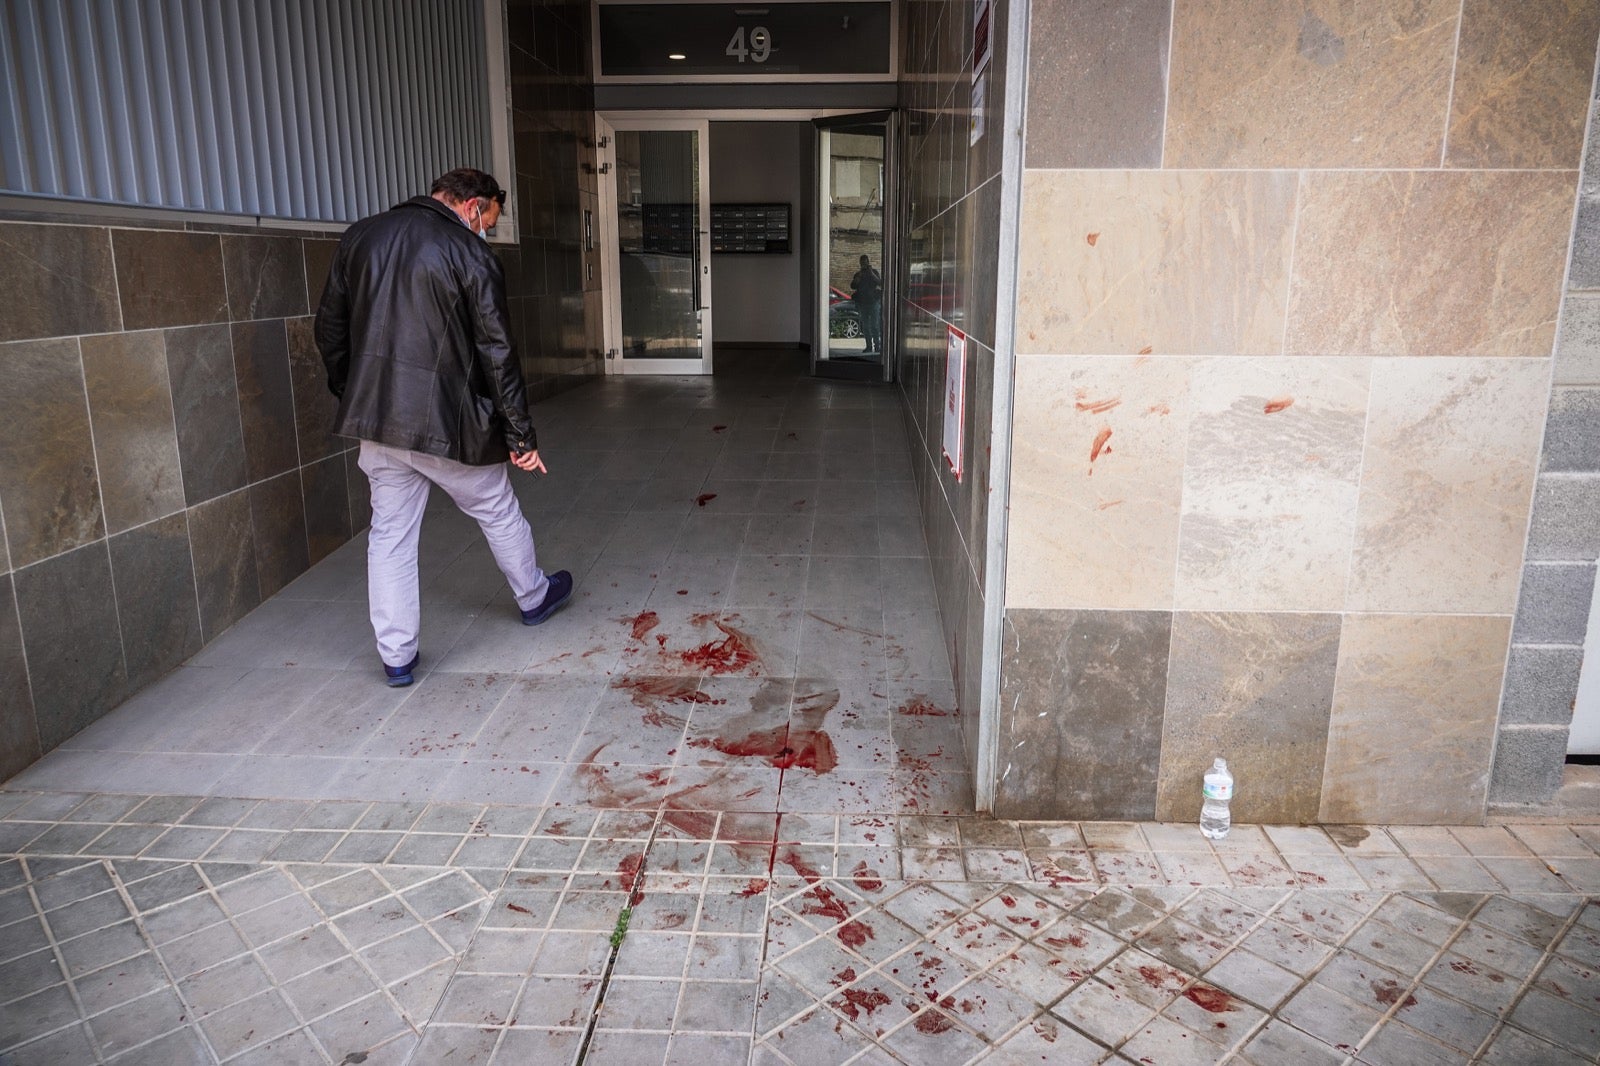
x=400, y=676
x=559, y=592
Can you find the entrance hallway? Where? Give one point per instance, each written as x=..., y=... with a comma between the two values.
x=736, y=540
x=715, y=811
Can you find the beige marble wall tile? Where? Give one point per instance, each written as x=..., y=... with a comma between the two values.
x=1255, y=689
x=1435, y=263
x=1452, y=450
x=1126, y=262
x=1324, y=83
x=1096, y=475
x=1521, y=94
x=1412, y=728
x=1269, y=483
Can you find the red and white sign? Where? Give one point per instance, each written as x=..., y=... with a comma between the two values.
x=982, y=17
x=955, y=399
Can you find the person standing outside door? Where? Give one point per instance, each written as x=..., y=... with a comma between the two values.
x=866, y=288
x=415, y=335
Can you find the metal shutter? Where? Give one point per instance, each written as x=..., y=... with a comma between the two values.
x=323, y=110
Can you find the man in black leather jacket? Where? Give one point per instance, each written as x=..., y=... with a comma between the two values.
x=414, y=331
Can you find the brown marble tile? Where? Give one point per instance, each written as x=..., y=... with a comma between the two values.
x=1327, y=83
x=58, y=281
x=1272, y=462
x=19, y=732
x=1124, y=263
x=1255, y=689
x=1453, y=447
x=1429, y=263
x=48, y=483
x=327, y=506
x=160, y=617
x=1082, y=694
x=278, y=514
x=318, y=256
x=1414, y=702
x=314, y=405
x=223, y=542
x=266, y=398
x=265, y=275
x=69, y=626
x=1521, y=94
x=1096, y=481
x=136, y=442
x=205, y=405
x=1097, y=83
x=169, y=278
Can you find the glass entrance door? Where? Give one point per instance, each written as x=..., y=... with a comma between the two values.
x=852, y=243
x=659, y=263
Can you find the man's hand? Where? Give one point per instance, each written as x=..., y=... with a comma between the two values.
x=529, y=461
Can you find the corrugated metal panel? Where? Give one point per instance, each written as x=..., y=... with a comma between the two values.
x=324, y=110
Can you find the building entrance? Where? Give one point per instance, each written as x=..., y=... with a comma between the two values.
x=748, y=230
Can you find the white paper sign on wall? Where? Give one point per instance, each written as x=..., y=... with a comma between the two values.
x=955, y=399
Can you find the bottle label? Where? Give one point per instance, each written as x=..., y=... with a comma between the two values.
x=1218, y=791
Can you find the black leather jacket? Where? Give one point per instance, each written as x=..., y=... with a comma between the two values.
x=414, y=331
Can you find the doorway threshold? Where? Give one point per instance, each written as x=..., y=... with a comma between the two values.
x=849, y=369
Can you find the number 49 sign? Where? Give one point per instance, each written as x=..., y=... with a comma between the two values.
x=955, y=399
x=757, y=47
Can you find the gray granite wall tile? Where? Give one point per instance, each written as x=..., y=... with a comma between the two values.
x=1572, y=431
x=205, y=403
x=266, y=276
x=318, y=256
x=169, y=278
x=266, y=398
x=58, y=281
x=47, y=470
x=1097, y=83
x=983, y=291
x=136, y=441
x=327, y=506
x=278, y=513
x=1566, y=518
x=19, y=733
x=1081, y=702
x=1255, y=689
x=1540, y=686
x=223, y=542
x=1528, y=762
x=68, y=610
x=154, y=576
x=1578, y=341
x=314, y=405
x=1553, y=605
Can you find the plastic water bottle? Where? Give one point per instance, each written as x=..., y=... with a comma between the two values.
x=1218, y=790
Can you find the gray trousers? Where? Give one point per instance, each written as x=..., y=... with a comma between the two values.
x=400, y=481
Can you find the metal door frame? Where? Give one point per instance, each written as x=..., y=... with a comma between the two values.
x=607, y=124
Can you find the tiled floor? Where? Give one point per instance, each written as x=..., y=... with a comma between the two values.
x=716, y=811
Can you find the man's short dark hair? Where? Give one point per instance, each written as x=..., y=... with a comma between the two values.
x=466, y=183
